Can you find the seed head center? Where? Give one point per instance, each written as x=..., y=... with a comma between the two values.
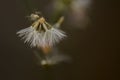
x=42, y=20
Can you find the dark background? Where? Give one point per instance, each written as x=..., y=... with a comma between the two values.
x=94, y=51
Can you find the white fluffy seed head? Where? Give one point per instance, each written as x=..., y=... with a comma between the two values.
x=42, y=39
x=42, y=34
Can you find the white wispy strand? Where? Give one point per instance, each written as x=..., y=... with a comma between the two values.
x=52, y=36
x=41, y=39
x=53, y=58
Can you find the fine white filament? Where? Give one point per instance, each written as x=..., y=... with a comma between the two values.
x=41, y=39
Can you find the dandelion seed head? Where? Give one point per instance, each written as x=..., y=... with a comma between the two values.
x=41, y=34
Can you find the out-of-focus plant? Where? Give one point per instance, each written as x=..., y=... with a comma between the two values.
x=54, y=57
x=45, y=36
x=76, y=11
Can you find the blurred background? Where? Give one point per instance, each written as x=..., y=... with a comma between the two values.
x=92, y=43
